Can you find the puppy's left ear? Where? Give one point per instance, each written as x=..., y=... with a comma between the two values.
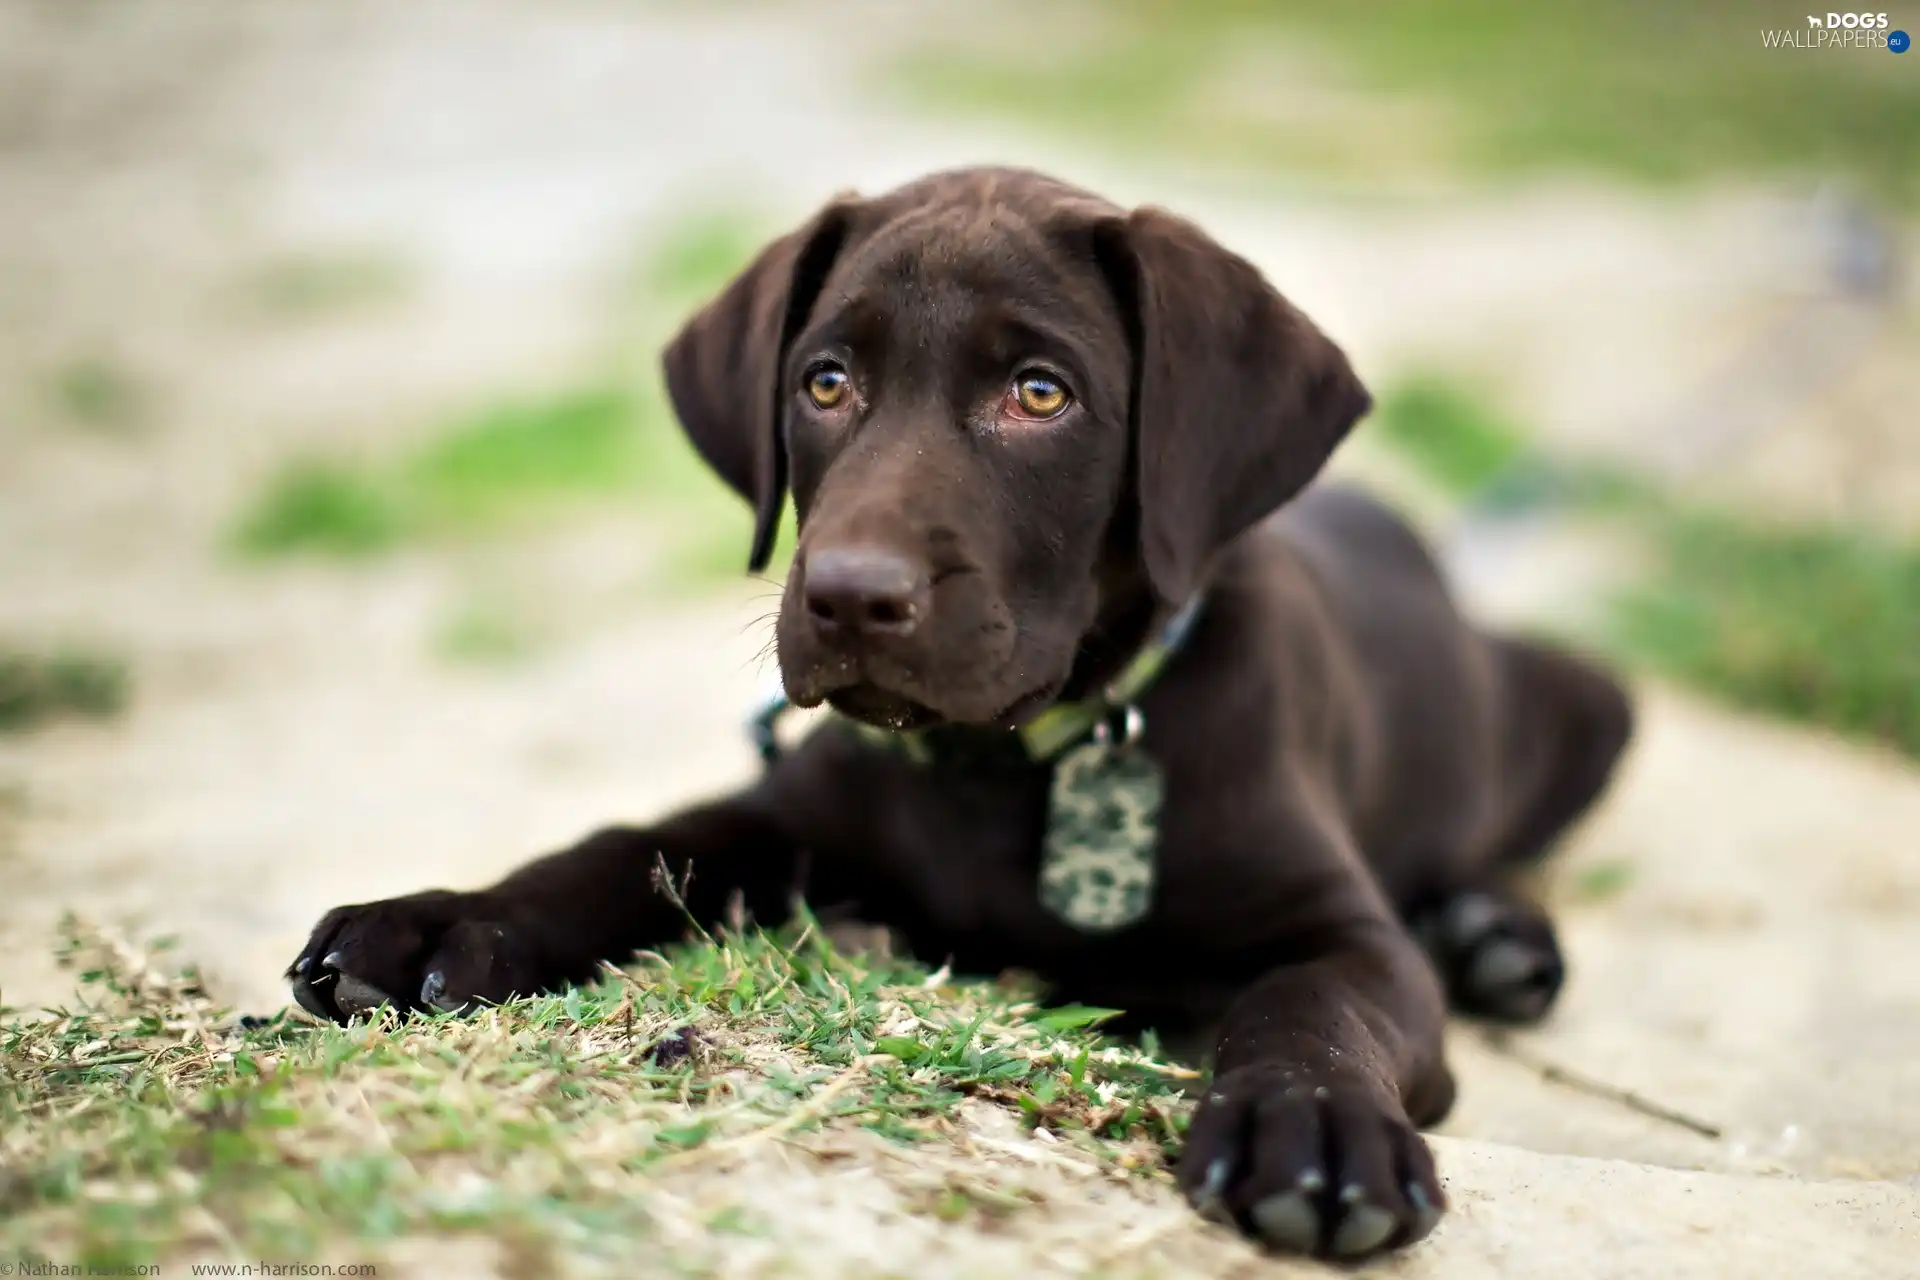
x=723, y=369
x=1238, y=399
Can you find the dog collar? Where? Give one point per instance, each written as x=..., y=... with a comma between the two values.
x=1111, y=713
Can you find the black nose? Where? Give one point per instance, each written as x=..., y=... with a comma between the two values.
x=864, y=591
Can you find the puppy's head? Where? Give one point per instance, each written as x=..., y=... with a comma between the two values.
x=1011, y=416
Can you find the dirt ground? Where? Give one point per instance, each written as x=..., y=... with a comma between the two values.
x=296, y=742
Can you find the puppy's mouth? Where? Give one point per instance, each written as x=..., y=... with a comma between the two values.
x=885, y=709
x=871, y=704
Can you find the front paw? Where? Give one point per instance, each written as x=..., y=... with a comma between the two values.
x=1322, y=1169
x=435, y=950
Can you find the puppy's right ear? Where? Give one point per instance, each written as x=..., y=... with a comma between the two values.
x=723, y=369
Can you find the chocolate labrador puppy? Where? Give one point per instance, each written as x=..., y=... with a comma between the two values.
x=1118, y=703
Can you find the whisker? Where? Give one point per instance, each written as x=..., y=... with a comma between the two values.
x=767, y=651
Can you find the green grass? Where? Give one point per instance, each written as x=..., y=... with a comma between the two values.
x=312, y=285
x=602, y=442
x=690, y=257
x=1448, y=432
x=498, y=468
x=508, y=468
x=1820, y=625
x=144, y=1123
x=323, y=506
x=1635, y=88
x=37, y=688
x=488, y=630
x=1603, y=881
x=488, y=469
x=99, y=393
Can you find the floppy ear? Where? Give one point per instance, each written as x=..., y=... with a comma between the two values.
x=1237, y=401
x=723, y=368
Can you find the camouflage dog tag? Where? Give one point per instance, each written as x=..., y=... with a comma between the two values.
x=1103, y=829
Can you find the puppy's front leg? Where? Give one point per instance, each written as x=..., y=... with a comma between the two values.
x=551, y=922
x=1305, y=1136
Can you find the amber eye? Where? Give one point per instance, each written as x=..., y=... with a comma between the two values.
x=1039, y=396
x=827, y=385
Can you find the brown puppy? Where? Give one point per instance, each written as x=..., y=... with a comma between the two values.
x=1024, y=429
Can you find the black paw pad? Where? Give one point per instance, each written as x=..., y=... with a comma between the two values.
x=1499, y=957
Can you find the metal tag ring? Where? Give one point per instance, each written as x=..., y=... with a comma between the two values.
x=1132, y=725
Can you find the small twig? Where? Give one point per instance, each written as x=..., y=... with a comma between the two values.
x=1553, y=1073
x=677, y=894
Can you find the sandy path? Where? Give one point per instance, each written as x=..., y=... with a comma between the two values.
x=296, y=743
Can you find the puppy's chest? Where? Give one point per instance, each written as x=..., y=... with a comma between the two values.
x=957, y=853
x=1027, y=866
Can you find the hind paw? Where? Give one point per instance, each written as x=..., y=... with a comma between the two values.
x=1498, y=956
